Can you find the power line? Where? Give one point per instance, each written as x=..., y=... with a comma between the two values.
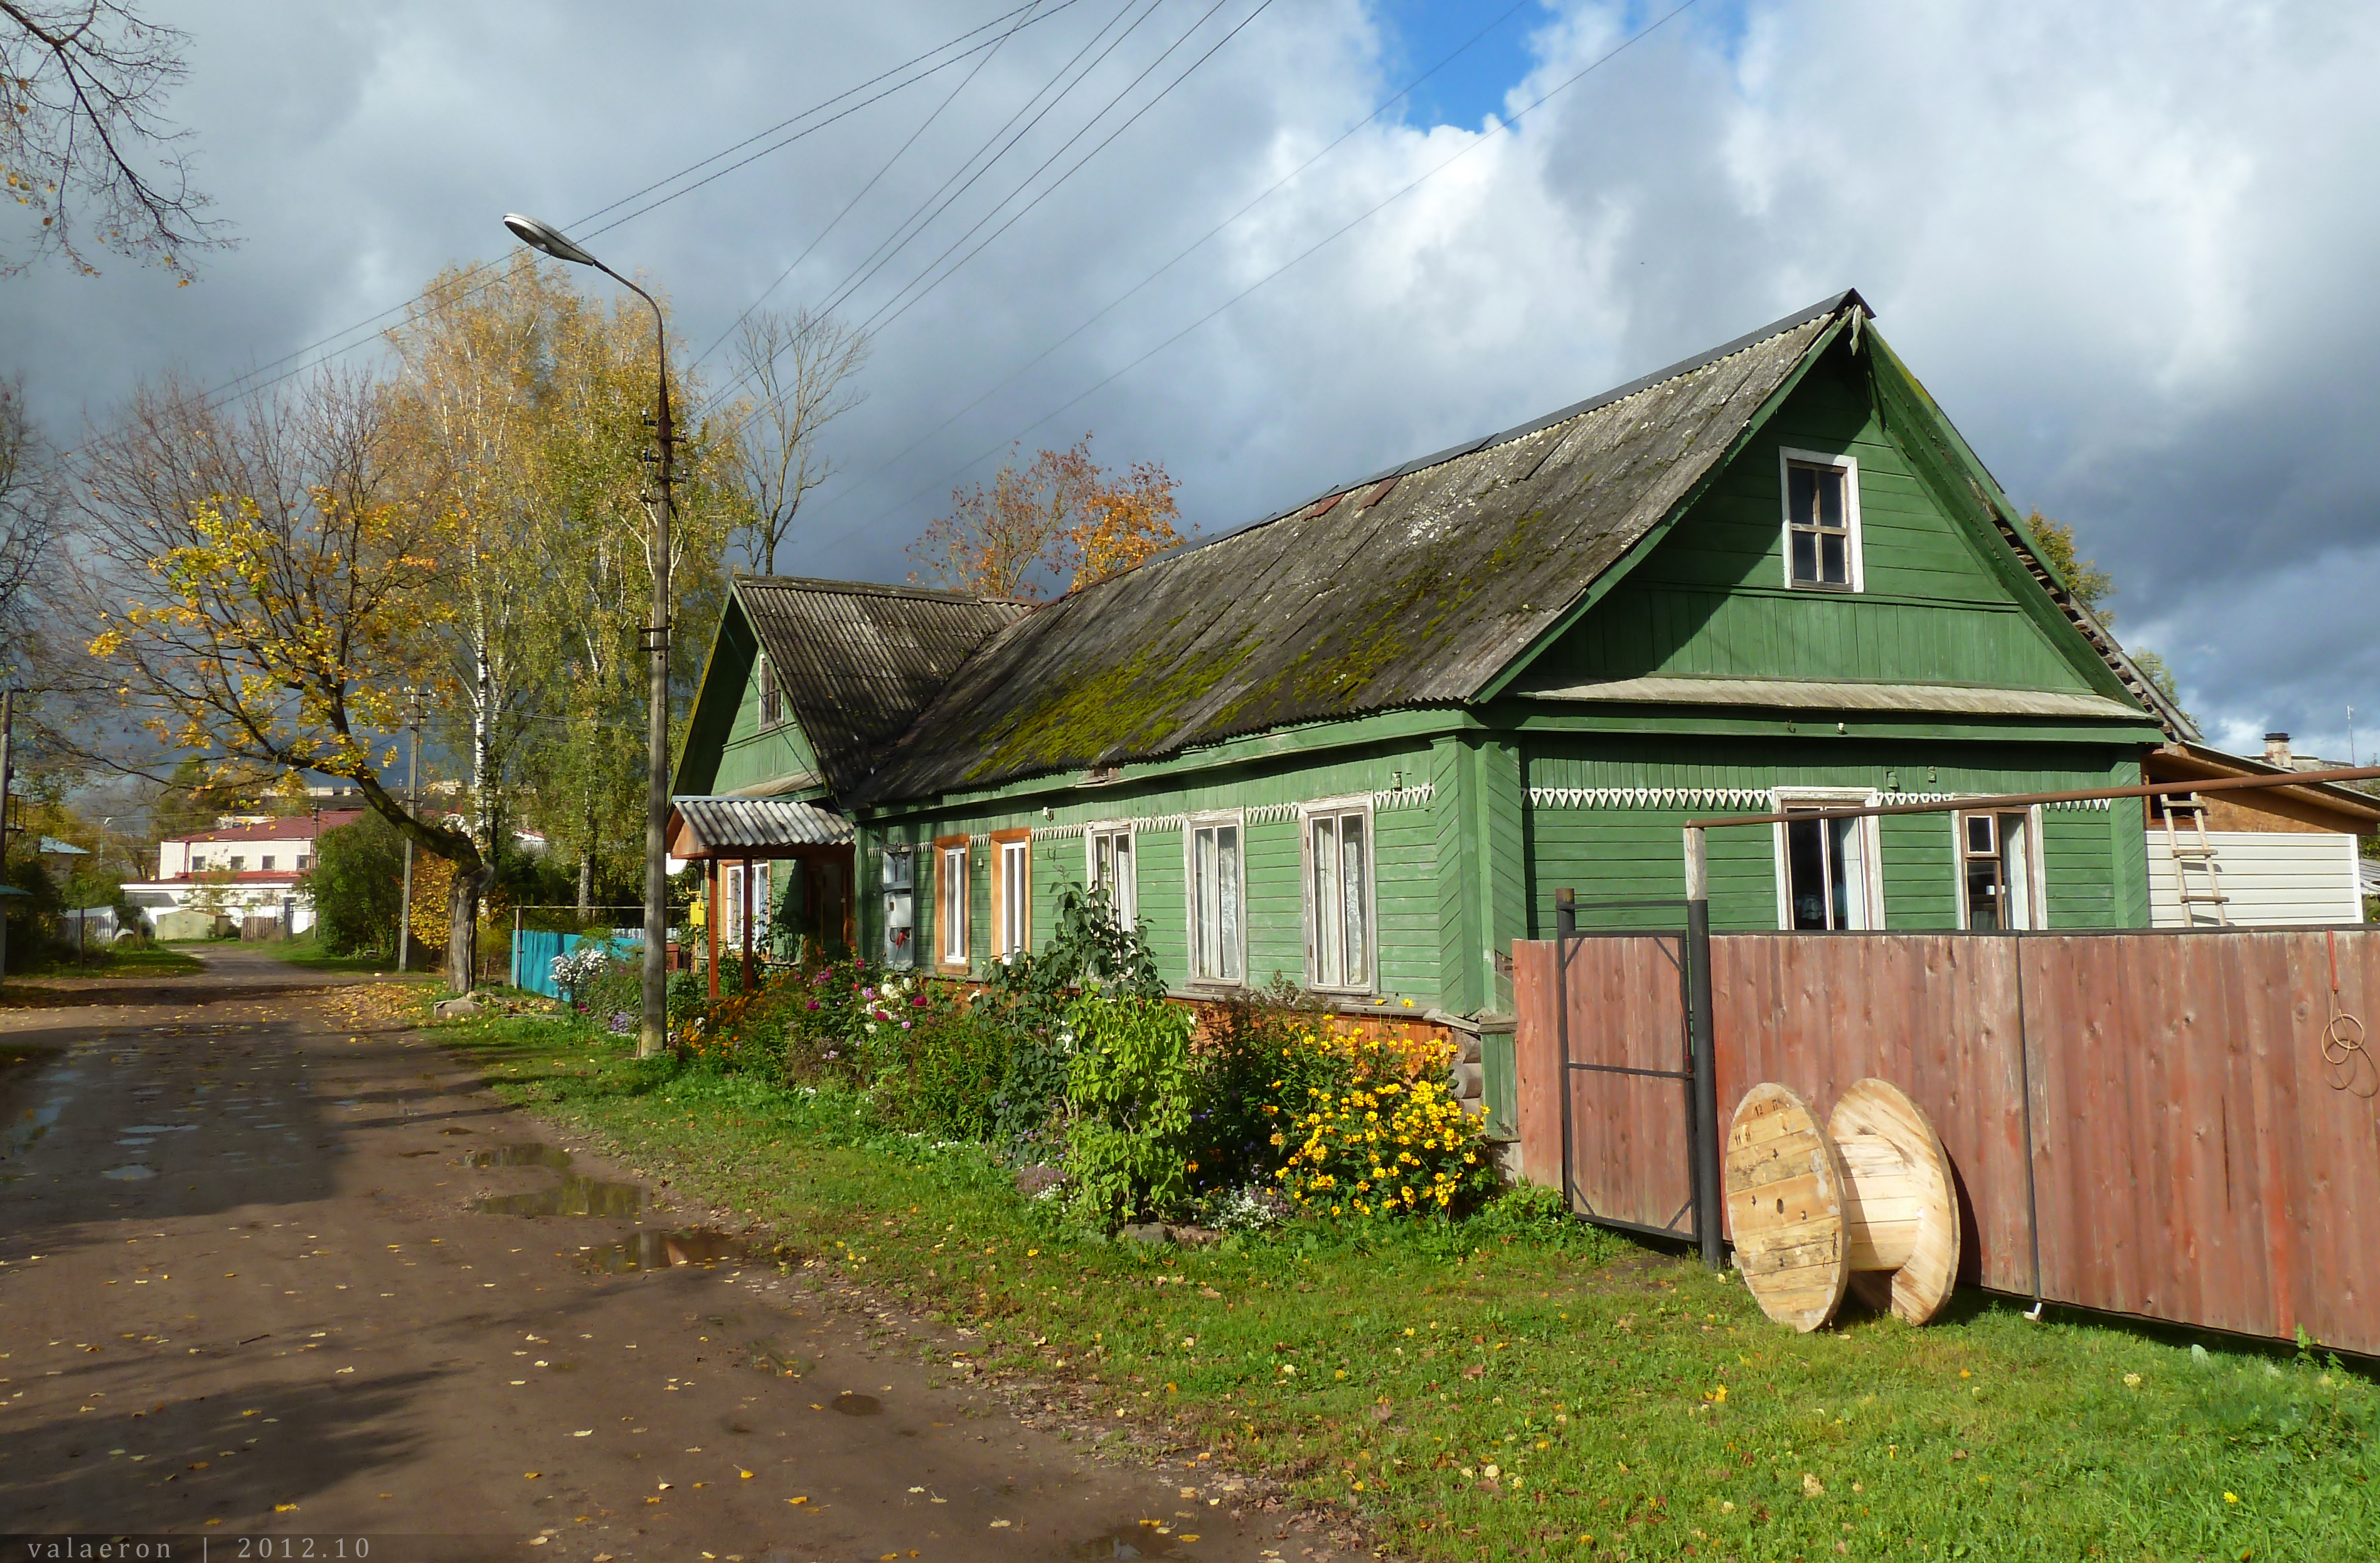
x=1260, y=199
x=261, y=378
x=814, y=243
x=1303, y=255
x=1077, y=168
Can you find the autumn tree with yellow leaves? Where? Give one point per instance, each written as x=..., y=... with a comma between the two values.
x=1043, y=528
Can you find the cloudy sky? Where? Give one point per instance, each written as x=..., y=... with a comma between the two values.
x=2128, y=246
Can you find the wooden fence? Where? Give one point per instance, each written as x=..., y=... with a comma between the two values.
x=2139, y=1123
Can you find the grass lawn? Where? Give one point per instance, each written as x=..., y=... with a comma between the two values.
x=153, y=961
x=305, y=952
x=1509, y=1387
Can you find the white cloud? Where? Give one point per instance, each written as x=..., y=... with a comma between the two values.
x=2122, y=244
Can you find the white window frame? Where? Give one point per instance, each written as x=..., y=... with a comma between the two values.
x=898, y=888
x=1191, y=827
x=1335, y=808
x=1125, y=898
x=1012, y=894
x=770, y=700
x=1871, y=856
x=2037, y=875
x=1787, y=459
x=952, y=893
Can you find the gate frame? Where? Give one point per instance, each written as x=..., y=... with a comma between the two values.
x=1700, y=1077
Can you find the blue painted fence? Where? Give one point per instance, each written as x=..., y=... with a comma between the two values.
x=535, y=951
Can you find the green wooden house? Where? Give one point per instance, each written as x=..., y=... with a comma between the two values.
x=1361, y=744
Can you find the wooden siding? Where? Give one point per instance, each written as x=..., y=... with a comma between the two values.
x=1405, y=864
x=1712, y=600
x=2272, y=879
x=1633, y=851
x=753, y=753
x=2193, y=1157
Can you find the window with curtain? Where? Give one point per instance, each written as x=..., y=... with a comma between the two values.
x=1215, y=901
x=951, y=903
x=1110, y=869
x=1339, y=898
x=1825, y=870
x=1012, y=894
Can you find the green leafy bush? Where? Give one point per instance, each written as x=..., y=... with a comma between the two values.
x=1128, y=1091
x=357, y=884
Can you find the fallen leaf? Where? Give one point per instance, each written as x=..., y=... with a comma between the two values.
x=746, y=1475
x=529, y=1475
x=1000, y=1524
x=283, y=1508
x=541, y=1541
x=797, y=1501
x=583, y=1433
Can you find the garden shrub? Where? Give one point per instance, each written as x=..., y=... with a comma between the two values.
x=1255, y=1066
x=954, y=1061
x=1090, y=952
x=1391, y=1139
x=1128, y=1091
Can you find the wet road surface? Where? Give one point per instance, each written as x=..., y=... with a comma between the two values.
x=263, y=1273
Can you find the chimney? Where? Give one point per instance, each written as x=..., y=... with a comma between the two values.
x=2277, y=749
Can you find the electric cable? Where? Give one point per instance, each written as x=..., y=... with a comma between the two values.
x=1336, y=234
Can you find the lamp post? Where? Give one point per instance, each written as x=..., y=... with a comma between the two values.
x=653, y=1036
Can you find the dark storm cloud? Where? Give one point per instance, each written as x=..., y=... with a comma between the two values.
x=2124, y=246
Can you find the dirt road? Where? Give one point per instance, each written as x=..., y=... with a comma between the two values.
x=250, y=1286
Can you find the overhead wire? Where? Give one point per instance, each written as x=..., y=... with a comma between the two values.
x=796, y=263
x=1327, y=239
x=844, y=291
x=1260, y=199
x=261, y=377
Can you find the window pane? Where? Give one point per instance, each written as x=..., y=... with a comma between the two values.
x=2016, y=873
x=1352, y=884
x=1848, y=863
x=1805, y=866
x=1202, y=904
x=1979, y=833
x=1983, y=894
x=1324, y=857
x=1829, y=483
x=1802, y=491
x=1227, y=902
x=1833, y=552
x=1805, y=556
x=953, y=910
x=1126, y=898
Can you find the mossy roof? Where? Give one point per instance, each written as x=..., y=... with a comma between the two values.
x=857, y=662
x=1416, y=586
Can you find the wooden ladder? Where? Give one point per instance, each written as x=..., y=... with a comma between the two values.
x=2198, y=854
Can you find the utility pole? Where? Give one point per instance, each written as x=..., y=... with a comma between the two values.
x=8, y=775
x=653, y=1036
x=412, y=807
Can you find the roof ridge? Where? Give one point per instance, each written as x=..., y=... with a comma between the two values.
x=1601, y=399
x=875, y=588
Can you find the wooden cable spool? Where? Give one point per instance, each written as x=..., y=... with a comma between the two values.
x=1865, y=1203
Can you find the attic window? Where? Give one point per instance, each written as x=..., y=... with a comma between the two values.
x=1822, y=529
x=772, y=709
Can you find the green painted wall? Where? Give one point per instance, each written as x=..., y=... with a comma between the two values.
x=1711, y=600
x=1404, y=863
x=1633, y=851
x=755, y=754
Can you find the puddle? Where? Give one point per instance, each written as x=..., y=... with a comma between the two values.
x=410, y=1154
x=1137, y=1542
x=453, y=1131
x=659, y=1250
x=525, y=1155
x=129, y=1174
x=767, y=1356
x=575, y=1196
x=850, y=1404
x=158, y=1129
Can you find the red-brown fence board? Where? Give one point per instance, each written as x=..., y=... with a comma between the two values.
x=2192, y=1160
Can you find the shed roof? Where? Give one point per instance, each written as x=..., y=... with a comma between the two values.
x=1416, y=586
x=740, y=827
x=857, y=662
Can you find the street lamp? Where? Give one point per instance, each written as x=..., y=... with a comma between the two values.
x=653, y=1036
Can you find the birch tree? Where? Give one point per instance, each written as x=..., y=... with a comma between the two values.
x=264, y=580
x=798, y=370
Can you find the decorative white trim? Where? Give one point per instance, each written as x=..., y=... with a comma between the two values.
x=2081, y=802
x=1386, y=798
x=1786, y=458
x=1651, y=798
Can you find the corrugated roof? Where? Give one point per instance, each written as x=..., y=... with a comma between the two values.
x=729, y=826
x=857, y=662
x=1830, y=695
x=297, y=828
x=1418, y=586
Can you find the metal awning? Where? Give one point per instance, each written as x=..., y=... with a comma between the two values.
x=716, y=826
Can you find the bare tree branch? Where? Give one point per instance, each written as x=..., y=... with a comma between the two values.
x=84, y=139
x=799, y=369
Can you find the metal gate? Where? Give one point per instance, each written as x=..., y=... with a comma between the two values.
x=1633, y=1139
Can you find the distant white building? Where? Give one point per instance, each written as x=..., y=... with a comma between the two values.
x=242, y=869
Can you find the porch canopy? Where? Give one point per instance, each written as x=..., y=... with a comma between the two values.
x=750, y=828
